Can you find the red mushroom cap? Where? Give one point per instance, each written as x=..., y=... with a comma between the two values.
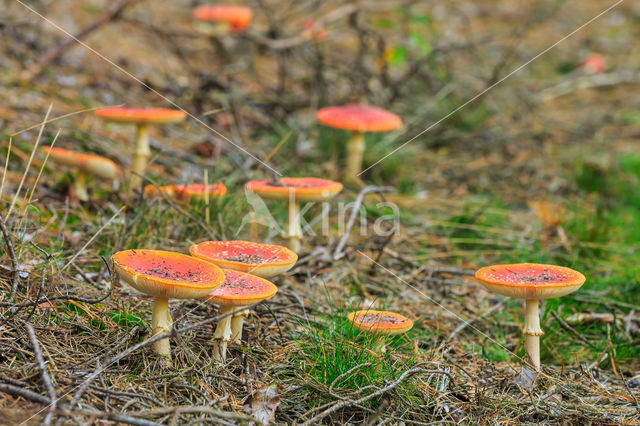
x=94, y=164
x=167, y=274
x=380, y=322
x=193, y=191
x=302, y=188
x=530, y=280
x=357, y=117
x=238, y=17
x=262, y=260
x=141, y=115
x=240, y=289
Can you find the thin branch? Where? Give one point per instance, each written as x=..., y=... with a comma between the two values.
x=46, y=379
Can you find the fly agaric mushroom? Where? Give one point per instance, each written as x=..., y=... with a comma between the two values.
x=166, y=275
x=85, y=164
x=531, y=282
x=226, y=17
x=142, y=118
x=295, y=190
x=358, y=119
x=238, y=289
x=381, y=324
x=261, y=260
x=186, y=193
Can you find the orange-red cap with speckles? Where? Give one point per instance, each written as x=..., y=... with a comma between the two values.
x=530, y=280
x=167, y=274
x=241, y=289
x=363, y=118
x=94, y=164
x=193, y=191
x=380, y=322
x=296, y=188
x=262, y=260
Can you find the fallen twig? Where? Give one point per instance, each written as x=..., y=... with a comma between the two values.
x=53, y=397
x=339, y=251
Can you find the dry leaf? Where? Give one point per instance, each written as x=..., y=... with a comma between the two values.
x=263, y=403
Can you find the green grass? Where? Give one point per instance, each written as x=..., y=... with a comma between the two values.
x=331, y=356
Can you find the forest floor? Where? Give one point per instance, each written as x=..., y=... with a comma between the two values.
x=543, y=167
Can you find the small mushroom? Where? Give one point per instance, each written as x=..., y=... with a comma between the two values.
x=238, y=289
x=166, y=275
x=85, y=164
x=295, y=190
x=142, y=118
x=381, y=324
x=358, y=119
x=226, y=17
x=187, y=193
x=262, y=260
x=531, y=282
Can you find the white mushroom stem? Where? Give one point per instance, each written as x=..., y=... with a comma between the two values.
x=237, y=322
x=162, y=323
x=532, y=333
x=80, y=186
x=140, y=157
x=222, y=335
x=294, y=231
x=355, y=151
x=379, y=344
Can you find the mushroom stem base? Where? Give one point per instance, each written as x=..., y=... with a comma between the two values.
x=532, y=333
x=222, y=335
x=80, y=186
x=355, y=152
x=237, y=322
x=162, y=323
x=140, y=157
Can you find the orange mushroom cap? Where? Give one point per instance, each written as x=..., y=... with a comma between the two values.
x=363, y=118
x=262, y=260
x=141, y=115
x=238, y=17
x=167, y=274
x=241, y=289
x=93, y=164
x=380, y=322
x=302, y=188
x=530, y=280
x=193, y=191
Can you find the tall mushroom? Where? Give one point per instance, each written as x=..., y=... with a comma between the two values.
x=262, y=260
x=359, y=119
x=238, y=289
x=531, y=282
x=85, y=164
x=142, y=118
x=381, y=324
x=226, y=17
x=166, y=275
x=295, y=190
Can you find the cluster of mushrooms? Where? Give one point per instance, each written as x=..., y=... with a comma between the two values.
x=235, y=274
x=230, y=274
